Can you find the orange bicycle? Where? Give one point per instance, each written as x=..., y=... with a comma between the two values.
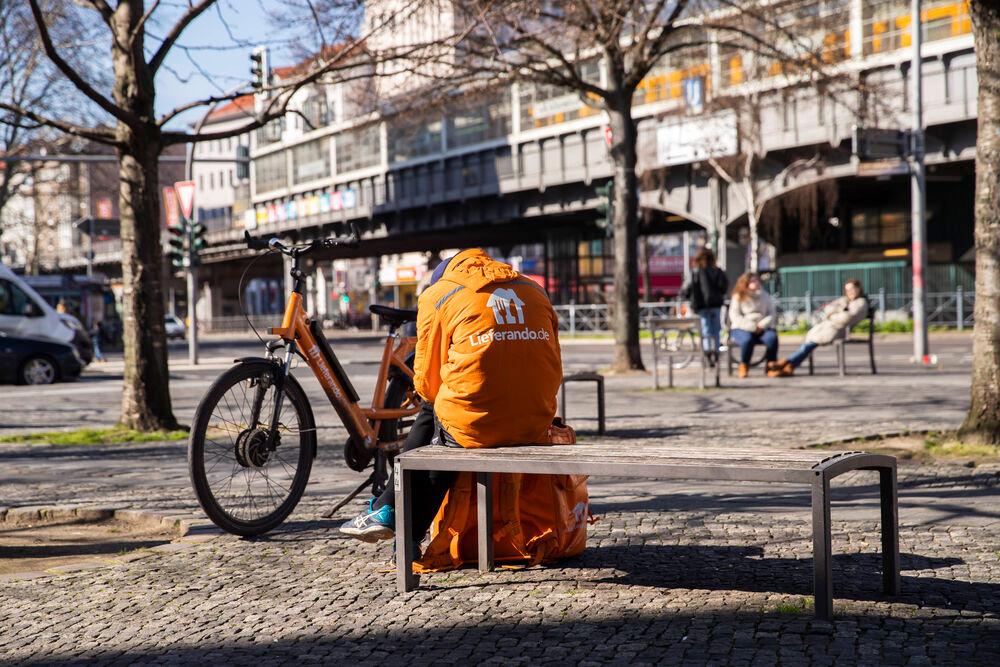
x=253, y=439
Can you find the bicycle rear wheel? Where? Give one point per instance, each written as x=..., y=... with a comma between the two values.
x=244, y=487
x=681, y=344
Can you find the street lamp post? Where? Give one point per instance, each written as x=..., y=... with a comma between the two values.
x=918, y=217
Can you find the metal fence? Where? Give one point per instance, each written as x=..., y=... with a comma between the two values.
x=951, y=309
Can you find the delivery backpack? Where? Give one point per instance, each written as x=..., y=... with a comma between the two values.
x=536, y=519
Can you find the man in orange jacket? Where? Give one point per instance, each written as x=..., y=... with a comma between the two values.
x=488, y=367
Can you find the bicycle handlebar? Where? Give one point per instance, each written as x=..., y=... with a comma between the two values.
x=272, y=243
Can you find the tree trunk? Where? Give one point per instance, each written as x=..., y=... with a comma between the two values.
x=982, y=424
x=625, y=222
x=146, y=394
x=754, y=225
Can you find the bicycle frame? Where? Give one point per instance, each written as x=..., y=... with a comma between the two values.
x=361, y=423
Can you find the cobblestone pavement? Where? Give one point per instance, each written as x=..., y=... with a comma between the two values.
x=676, y=573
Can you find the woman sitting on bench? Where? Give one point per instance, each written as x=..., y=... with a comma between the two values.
x=752, y=316
x=838, y=317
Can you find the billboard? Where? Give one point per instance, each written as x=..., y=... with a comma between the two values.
x=685, y=140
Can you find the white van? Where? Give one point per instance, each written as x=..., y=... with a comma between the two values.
x=23, y=313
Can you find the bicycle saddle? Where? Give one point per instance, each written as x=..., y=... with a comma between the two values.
x=394, y=316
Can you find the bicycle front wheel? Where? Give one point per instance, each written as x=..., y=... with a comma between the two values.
x=246, y=485
x=681, y=345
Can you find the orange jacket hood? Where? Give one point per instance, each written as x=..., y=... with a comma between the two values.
x=474, y=269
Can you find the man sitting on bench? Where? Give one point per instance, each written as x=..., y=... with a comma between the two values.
x=488, y=367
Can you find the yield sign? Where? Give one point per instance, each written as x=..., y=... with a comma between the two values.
x=185, y=197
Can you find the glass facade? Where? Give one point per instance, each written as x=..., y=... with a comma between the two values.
x=270, y=172
x=311, y=161
x=359, y=149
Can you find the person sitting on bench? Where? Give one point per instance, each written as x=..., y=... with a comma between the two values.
x=488, y=367
x=838, y=317
x=752, y=316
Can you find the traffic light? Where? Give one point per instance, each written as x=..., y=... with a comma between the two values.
x=176, y=241
x=605, y=207
x=197, y=232
x=260, y=68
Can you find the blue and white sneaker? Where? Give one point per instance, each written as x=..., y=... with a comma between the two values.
x=373, y=525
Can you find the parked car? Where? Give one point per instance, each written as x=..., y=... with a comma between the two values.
x=175, y=327
x=37, y=360
x=25, y=314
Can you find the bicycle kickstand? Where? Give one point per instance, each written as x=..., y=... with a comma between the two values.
x=350, y=496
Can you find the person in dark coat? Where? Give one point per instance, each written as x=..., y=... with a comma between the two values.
x=706, y=290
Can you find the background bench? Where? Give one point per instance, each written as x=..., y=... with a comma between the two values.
x=840, y=346
x=812, y=468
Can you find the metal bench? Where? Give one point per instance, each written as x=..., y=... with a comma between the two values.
x=840, y=346
x=596, y=378
x=806, y=467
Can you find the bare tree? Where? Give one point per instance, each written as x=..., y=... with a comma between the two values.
x=559, y=44
x=139, y=136
x=982, y=424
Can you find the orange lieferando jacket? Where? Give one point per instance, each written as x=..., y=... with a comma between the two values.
x=488, y=353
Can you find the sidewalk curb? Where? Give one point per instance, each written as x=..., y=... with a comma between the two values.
x=190, y=529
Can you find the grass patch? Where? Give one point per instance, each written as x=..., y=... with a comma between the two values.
x=922, y=448
x=794, y=607
x=114, y=435
x=940, y=446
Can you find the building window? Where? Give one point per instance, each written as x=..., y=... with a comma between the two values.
x=479, y=122
x=359, y=149
x=310, y=161
x=413, y=140
x=880, y=227
x=211, y=180
x=271, y=132
x=270, y=172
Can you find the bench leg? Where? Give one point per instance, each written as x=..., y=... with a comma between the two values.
x=822, y=549
x=484, y=509
x=562, y=401
x=811, y=368
x=890, y=531
x=871, y=356
x=841, y=358
x=406, y=581
x=600, y=407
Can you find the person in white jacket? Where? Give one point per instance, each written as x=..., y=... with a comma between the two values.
x=752, y=316
x=838, y=317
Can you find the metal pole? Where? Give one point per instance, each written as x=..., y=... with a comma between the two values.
x=90, y=246
x=960, y=307
x=192, y=269
x=918, y=221
x=192, y=289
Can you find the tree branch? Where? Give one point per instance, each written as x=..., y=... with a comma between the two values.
x=100, y=135
x=193, y=12
x=73, y=75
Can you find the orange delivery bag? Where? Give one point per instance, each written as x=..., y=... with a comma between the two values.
x=536, y=519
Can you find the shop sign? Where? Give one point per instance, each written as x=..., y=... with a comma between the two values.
x=406, y=274
x=690, y=140
x=666, y=264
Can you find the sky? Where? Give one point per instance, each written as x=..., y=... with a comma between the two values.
x=225, y=63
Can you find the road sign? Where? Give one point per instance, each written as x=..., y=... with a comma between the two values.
x=874, y=143
x=891, y=167
x=172, y=213
x=103, y=208
x=694, y=94
x=185, y=197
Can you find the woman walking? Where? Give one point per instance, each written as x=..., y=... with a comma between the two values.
x=752, y=316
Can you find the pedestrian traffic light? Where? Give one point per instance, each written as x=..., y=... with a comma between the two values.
x=605, y=207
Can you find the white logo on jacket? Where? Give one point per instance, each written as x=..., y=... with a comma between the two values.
x=501, y=301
